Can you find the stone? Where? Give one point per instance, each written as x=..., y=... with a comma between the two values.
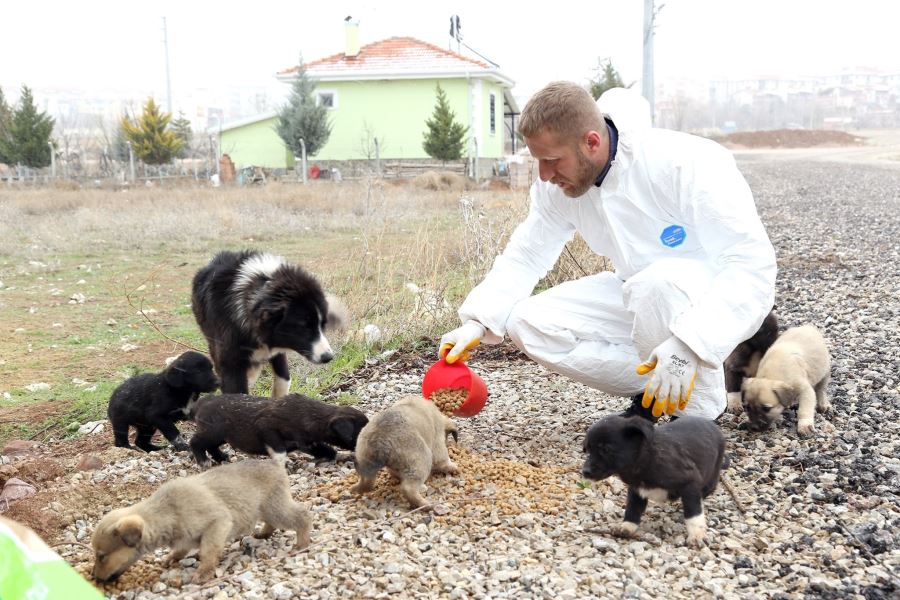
x=89, y=462
x=20, y=448
x=16, y=489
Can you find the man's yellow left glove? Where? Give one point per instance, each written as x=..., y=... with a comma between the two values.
x=674, y=368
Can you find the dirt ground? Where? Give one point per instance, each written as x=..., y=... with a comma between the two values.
x=790, y=138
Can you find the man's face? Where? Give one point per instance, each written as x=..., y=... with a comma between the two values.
x=566, y=164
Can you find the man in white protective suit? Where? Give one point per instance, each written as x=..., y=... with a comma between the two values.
x=694, y=269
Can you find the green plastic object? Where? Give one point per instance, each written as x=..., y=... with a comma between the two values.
x=30, y=570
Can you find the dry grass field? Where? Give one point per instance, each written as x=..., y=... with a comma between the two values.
x=96, y=282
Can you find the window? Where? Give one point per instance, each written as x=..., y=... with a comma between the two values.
x=493, y=113
x=327, y=98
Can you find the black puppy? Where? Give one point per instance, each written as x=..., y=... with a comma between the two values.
x=258, y=425
x=679, y=459
x=154, y=401
x=744, y=359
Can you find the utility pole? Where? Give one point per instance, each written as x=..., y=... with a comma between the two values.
x=168, y=79
x=647, y=79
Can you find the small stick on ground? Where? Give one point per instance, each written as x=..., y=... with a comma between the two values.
x=727, y=484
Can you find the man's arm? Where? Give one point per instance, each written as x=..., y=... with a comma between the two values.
x=531, y=252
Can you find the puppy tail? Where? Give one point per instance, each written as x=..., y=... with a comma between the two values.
x=450, y=427
x=338, y=316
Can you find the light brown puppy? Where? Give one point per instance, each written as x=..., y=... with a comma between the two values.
x=410, y=439
x=795, y=370
x=206, y=511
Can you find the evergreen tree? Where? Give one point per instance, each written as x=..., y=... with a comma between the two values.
x=5, y=118
x=300, y=118
x=607, y=78
x=151, y=139
x=182, y=128
x=445, y=137
x=27, y=140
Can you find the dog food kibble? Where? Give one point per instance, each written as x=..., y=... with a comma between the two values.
x=448, y=400
x=487, y=487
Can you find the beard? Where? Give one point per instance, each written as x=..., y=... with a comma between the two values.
x=583, y=179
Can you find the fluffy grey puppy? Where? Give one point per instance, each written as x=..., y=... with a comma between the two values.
x=410, y=439
x=206, y=511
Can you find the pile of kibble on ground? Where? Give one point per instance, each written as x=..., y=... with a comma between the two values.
x=484, y=483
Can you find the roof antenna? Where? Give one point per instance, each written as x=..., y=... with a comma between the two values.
x=455, y=31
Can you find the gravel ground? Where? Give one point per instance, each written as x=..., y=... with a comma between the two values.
x=820, y=516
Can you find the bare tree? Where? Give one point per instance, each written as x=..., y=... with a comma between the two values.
x=367, y=141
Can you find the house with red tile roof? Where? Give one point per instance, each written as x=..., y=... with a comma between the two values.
x=387, y=90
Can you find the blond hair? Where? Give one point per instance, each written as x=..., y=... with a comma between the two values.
x=563, y=108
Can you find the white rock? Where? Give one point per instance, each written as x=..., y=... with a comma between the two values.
x=37, y=387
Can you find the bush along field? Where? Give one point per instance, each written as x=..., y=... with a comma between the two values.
x=96, y=288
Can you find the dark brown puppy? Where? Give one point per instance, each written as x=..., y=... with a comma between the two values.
x=679, y=459
x=273, y=426
x=152, y=401
x=744, y=359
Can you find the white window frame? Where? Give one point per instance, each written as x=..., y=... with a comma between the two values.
x=332, y=93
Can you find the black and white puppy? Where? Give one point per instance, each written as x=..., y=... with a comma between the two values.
x=253, y=308
x=156, y=401
x=679, y=459
x=273, y=426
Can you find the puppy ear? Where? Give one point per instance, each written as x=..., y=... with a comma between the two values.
x=785, y=393
x=343, y=428
x=639, y=428
x=175, y=376
x=130, y=529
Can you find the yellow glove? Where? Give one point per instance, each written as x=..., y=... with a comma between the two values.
x=674, y=366
x=456, y=344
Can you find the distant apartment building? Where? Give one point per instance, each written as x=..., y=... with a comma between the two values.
x=860, y=97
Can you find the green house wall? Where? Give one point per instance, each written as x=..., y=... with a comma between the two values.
x=394, y=111
x=256, y=144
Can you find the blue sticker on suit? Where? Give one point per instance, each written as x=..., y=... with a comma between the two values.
x=672, y=236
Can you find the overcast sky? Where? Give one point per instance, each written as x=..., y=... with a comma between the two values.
x=98, y=44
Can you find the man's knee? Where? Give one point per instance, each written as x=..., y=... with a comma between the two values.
x=518, y=325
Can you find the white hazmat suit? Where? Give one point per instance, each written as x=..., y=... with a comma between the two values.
x=677, y=220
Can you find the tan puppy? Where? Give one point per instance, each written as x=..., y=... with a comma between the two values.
x=204, y=510
x=410, y=439
x=795, y=370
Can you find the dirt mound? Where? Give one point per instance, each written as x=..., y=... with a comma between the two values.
x=790, y=138
x=441, y=180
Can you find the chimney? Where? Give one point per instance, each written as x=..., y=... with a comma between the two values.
x=351, y=37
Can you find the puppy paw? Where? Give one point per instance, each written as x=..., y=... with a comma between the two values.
x=174, y=556
x=450, y=468
x=696, y=531
x=302, y=542
x=625, y=529
x=202, y=575
x=824, y=406
x=735, y=406
x=806, y=428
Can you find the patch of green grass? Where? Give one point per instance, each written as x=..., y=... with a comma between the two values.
x=79, y=405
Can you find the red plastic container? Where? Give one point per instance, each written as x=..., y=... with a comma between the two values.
x=443, y=375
